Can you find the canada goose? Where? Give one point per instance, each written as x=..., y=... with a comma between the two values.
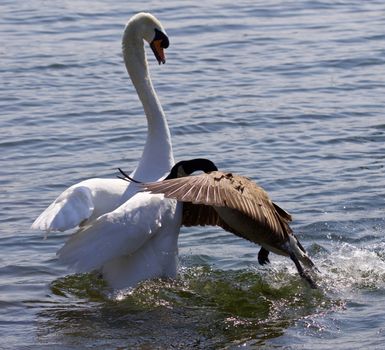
x=84, y=202
x=235, y=203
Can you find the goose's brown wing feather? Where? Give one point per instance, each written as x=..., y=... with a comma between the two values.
x=221, y=189
x=199, y=215
x=203, y=215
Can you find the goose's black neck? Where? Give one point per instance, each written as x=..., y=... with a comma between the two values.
x=187, y=167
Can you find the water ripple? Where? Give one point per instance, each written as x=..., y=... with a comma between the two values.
x=287, y=93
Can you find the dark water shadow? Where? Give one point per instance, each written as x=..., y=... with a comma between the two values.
x=203, y=309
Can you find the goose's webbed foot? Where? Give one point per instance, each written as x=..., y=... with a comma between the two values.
x=302, y=273
x=263, y=256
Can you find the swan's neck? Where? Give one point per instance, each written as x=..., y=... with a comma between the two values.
x=157, y=158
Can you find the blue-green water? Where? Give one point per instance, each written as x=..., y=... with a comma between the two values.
x=288, y=93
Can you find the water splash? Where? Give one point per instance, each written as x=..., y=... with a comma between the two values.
x=348, y=268
x=212, y=307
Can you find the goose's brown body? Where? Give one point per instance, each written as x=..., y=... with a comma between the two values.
x=231, y=201
x=235, y=203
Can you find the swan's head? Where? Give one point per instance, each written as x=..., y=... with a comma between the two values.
x=146, y=26
x=187, y=167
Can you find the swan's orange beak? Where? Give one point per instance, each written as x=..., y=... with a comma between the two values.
x=157, y=49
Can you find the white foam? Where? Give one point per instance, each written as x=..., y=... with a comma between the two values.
x=348, y=267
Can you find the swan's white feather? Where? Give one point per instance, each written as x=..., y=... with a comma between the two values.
x=68, y=210
x=138, y=240
x=83, y=201
x=125, y=236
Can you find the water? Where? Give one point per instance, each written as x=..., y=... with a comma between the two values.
x=288, y=93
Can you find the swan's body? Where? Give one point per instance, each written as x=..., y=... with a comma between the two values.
x=136, y=241
x=235, y=203
x=83, y=202
x=126, y=237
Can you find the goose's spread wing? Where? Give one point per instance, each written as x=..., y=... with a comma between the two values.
x=202, y=215
x=219, y=189
x=117, y=233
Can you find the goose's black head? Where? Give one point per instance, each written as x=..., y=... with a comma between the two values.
x=187, y=167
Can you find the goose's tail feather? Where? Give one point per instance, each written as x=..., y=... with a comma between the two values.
x=300, y=252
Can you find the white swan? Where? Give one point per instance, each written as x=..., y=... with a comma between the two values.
x=84, y=202
x=127, y=239
x=135, y=242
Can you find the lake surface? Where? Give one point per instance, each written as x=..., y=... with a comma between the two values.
x=289, y=93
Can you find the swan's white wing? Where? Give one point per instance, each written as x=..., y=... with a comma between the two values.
x=119, y=233
x=72, y=207
x=81, y=202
